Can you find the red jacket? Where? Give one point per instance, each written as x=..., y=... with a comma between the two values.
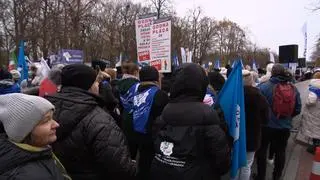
x=47, y=87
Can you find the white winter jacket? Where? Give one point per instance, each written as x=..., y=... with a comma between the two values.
x=266, y=77
x=311, y=113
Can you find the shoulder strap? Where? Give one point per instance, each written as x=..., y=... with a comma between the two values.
x=60, y=167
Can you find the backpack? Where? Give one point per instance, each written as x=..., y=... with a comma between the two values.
x=284, y=100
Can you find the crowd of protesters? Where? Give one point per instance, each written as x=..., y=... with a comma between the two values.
x=85, y=123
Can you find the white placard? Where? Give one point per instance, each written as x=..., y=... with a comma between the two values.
x=161, y=46
x=143, y=30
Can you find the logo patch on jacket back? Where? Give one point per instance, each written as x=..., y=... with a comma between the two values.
x=166, y=148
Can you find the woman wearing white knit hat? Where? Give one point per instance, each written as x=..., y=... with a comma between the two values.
x=24, y=147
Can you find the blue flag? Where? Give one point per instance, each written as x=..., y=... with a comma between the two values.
x=22, y=64
x=206, y=65
x=175, y=60
x=217, y=64
x=231, y=100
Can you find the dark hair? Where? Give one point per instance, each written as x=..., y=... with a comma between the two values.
x=216, y=80
x=278, y=70
x=6, y=75
x=55, y=76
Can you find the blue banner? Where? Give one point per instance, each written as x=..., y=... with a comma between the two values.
x=69, y=56
x=231, y=100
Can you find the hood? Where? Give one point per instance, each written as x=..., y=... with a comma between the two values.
x=72, y=105
x=279, y=79
x=315, y=83
x=6, y=83
x=190, y=82
x=125, y=84
x=14, y=154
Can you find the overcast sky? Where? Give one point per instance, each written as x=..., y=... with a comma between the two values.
x=270, y=22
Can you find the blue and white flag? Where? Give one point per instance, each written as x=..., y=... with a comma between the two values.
x=119, y=63
x=22, y=64
x=175, y=60
x=254, y=66
x=231, y=100
x=217, y=64
x=45, y=69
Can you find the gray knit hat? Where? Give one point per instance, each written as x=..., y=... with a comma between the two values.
x=20, y=113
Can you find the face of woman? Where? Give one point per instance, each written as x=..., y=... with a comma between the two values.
x=45, y=132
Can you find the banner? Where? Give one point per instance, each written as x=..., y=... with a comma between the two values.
x=183, y=55
x=161, y=45
x=143, y=36
x=68, y=56
x=190, y=57
x=271, y=57
x=305, y=34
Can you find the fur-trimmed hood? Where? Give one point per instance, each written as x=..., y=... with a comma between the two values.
x=315, y=83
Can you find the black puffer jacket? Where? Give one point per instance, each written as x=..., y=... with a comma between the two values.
x=90, y=145
x=190, y=144
x=27, y=162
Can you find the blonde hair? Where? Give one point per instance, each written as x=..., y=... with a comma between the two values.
x=247, y=78
x=129, y=68
x=316, y=75
x=111, y=72
x=101, y=76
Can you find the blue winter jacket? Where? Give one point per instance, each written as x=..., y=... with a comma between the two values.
x=267, y=90
x=8, y=86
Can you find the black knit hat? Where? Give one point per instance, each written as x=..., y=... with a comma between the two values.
x=216, y=80
x=149, y=73
x=78, y=75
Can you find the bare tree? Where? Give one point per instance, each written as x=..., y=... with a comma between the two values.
x=231, y=39
x=160, y=6
x=206, y=42
x=105, y=28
